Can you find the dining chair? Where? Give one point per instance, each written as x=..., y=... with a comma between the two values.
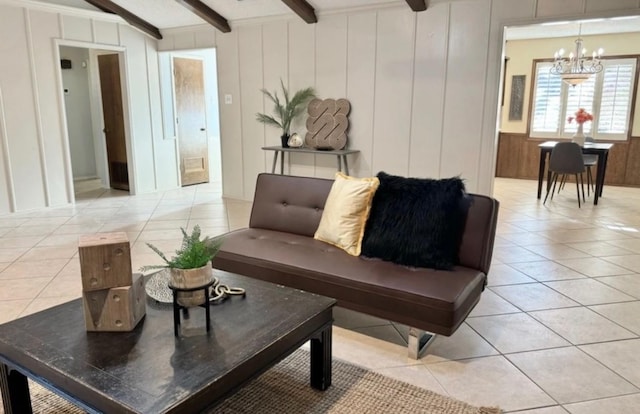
x=566, y=158
x=590, y=160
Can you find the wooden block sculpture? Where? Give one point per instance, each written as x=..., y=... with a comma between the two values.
x=327, y=124
x=105, y=261
x=113, y=298
x=115, y=309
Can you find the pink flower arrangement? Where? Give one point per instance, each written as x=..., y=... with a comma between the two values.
x=581, y=117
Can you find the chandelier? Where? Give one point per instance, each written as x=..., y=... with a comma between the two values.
x=577, y=67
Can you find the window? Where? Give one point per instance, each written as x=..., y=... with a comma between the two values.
x=607, y=95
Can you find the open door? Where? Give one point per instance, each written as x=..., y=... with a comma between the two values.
x=113, y=115
x=191, y=120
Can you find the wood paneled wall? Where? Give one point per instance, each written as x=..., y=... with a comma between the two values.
x=519, y=157
x=35, y=166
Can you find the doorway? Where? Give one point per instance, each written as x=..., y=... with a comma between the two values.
x=74, y=65
x=94, y=112
x=188, y=78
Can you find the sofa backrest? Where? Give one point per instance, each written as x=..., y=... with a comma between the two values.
x=295, y=204
x=479, y=234
x=289, y=204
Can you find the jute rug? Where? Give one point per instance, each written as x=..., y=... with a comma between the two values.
x=285, y=389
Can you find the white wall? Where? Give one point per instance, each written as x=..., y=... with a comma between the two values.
x=34, y=153
x=423, y=86
x=75, y=82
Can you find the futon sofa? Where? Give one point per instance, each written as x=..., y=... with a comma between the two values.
x=278, y=246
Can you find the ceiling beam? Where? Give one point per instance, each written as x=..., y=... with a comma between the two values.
x=302, y=9
x=103, y=9
x=132, y=19
x=207, y=14
x=417, y=5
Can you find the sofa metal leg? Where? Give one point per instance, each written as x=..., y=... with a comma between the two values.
x=419, y=340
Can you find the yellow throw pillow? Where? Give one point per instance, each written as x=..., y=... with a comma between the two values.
x=346, y=212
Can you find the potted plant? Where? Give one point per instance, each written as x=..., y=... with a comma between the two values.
x=284, y=112
x=191, y=266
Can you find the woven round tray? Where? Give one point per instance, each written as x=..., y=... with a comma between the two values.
x=157, y=286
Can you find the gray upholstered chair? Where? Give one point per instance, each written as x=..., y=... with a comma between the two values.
x=590, y=160
x=566, y=158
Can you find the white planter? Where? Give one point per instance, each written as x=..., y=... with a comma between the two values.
x=191, y=278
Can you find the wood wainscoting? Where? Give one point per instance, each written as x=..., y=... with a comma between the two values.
x=519, y=157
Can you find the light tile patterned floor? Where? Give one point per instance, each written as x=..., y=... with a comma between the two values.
x=557, y=330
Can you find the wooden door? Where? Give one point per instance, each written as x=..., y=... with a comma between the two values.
x=113, y=115
x=191, y=120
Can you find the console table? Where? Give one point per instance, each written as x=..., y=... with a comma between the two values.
x=340, y=154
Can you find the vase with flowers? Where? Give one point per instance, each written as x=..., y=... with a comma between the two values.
x=581, y=116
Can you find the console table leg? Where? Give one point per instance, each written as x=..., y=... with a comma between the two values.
x=282, y=162
x=275, y=161
x=321, y=360
x=346, y=165
x=15, y=391
x=339, y=163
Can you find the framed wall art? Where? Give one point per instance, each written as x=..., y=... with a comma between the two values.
x=517, y=97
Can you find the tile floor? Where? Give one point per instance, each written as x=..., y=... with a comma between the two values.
x=557, y=330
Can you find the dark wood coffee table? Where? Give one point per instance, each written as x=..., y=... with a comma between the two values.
x=149, y=370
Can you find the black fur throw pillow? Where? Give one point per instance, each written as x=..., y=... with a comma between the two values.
x=416, y=222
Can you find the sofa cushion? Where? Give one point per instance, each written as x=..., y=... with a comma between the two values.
x=416, y=222
x=428, y=299
x=346, y=211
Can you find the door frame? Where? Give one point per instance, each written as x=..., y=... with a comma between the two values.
x=97, y=117
x=174, y=108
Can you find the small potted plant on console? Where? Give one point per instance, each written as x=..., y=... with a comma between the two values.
x=191, y=266
x=285, y=112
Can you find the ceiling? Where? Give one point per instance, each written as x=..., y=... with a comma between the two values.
x=574, y=28
x=167, y=14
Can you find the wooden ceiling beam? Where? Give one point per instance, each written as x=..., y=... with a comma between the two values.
x=417, y=5
x=129, y=17
x=207, y=14
x=302, y=9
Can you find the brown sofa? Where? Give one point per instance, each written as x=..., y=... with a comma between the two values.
x=279, y=247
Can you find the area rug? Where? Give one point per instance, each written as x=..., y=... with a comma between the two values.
x=285, y=389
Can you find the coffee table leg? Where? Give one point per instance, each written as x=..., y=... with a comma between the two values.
x=176, y=314
x=321, y=360
x=15, y=391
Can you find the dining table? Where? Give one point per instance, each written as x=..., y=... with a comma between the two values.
x=600, y=149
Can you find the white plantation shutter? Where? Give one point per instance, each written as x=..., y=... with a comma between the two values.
x=579, y=96
x=607, y=96
x=615, y=102
x=547, y=99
